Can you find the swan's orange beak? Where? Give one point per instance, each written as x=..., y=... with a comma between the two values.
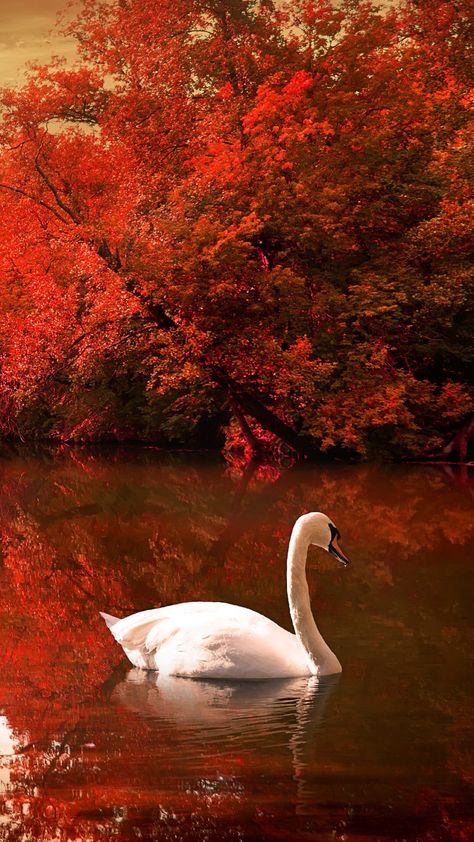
x=336, y=551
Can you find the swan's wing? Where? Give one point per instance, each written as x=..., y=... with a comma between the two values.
x=211, y=639
x=132, y=631
x=109, y=619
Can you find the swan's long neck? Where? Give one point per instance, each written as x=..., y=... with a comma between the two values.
x=321, y=661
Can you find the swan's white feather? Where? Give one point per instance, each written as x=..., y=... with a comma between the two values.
x=210, y=640
x=219, y=640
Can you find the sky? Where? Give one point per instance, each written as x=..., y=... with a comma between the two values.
x=25, y=36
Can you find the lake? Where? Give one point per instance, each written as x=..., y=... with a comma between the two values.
x=93, y=749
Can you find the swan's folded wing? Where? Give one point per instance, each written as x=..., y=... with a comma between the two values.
x=230, y=642
x=192, y=629
x=210, y=639
x=133, y=631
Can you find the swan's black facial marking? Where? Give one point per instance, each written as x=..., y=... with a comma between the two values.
x=333, y=547
x=334, y=533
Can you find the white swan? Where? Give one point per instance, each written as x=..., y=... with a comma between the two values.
x=219, y=640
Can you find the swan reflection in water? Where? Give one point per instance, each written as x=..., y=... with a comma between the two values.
x=241, y=728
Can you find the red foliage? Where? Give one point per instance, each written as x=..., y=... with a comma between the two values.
x=244, y=204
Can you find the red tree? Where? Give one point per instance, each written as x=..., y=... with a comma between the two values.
x=227, y=202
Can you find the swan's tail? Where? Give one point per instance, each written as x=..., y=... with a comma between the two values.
x=110, y=621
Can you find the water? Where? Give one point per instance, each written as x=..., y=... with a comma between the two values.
x=93, y=750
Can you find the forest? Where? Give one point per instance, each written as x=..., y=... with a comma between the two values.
x=243, y=225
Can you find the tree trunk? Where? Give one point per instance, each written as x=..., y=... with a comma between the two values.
x=250, y=404
x=248, y=434
x=458, y=444
x=241, y=400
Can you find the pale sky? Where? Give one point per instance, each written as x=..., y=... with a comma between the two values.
x=25, y=36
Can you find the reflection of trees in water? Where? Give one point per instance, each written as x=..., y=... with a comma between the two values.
x=187, y=753
x=81, y=533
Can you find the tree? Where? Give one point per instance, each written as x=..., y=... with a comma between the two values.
x=235, y=209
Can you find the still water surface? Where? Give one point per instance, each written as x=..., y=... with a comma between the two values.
x=95, y=750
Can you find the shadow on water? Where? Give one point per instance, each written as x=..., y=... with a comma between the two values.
x=93, y=751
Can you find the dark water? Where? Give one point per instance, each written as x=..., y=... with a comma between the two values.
x=93, y=750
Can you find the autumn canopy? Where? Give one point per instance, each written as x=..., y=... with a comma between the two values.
x=237, y=221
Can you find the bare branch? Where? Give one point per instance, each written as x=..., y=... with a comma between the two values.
x=54, y=190
x=35, y=200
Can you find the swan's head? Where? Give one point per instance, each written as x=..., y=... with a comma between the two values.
x=321, y=531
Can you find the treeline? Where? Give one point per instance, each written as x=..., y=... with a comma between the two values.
x=242, y=223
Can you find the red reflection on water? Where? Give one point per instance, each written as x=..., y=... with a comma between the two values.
x=100, y=754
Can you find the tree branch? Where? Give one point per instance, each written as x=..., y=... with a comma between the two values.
x=35, y=200
x=62, y=204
